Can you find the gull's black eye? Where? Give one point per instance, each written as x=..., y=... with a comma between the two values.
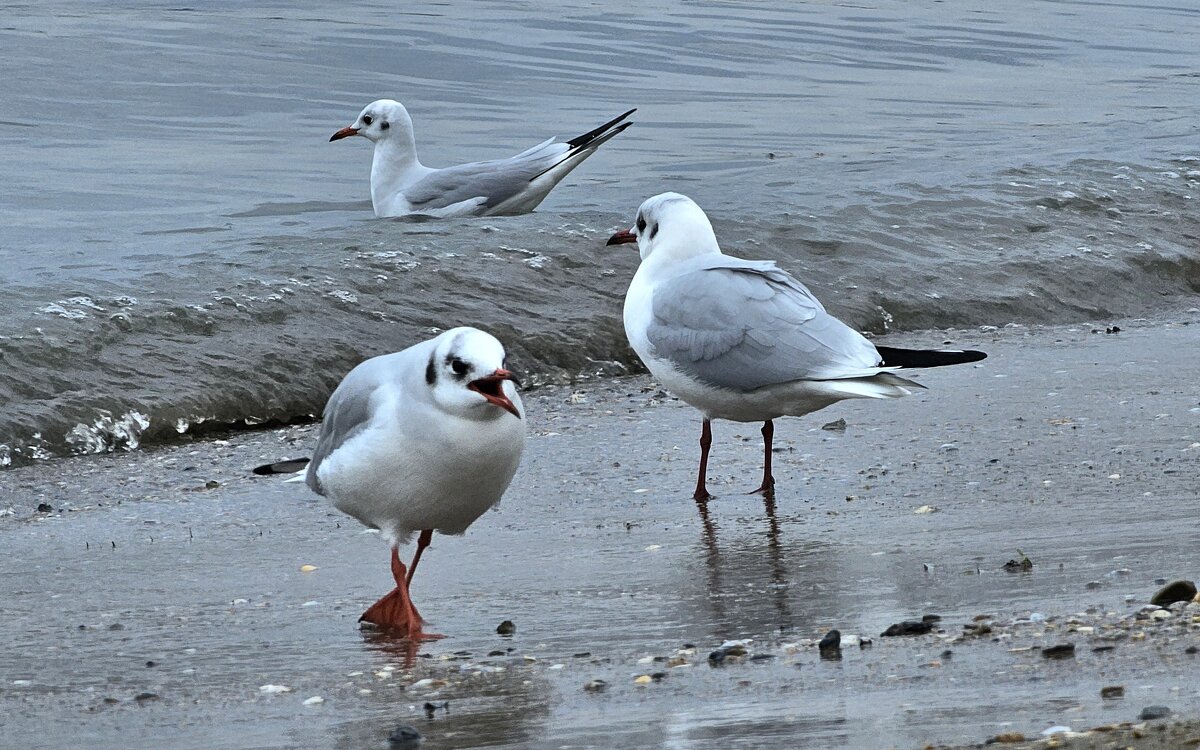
x=384, y=126
x=641, y=223
x=459, y=367
x=366, y=119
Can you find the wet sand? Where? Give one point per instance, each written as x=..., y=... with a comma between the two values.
x=164, y=590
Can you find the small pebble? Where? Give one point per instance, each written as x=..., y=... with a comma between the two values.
x=1006, y=738
x=274, y=689
x=1150, y=713
x=908, y=627
x=1056, y=730
x=307, y=568
x=642, y=680
x=596, y=686
x=1060, y=651
x=831, y=645
x=506, y=628
x=404, y=736
x=1112, y=692
x=316, y=700
x=145, y=697
x=1175, y=591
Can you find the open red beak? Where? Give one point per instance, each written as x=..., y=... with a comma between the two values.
x=622, y=237
x=343, y=133
x=492, y=388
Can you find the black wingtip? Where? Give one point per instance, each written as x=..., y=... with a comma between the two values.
x=893, y=357
x=591, y=135
x=291, y=466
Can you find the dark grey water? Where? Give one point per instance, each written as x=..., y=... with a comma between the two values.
x=181, y=246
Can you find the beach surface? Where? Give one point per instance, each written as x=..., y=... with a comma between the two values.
x=158, y=599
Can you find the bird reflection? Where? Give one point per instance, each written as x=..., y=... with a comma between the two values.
x=739, y=564
x=404, y=649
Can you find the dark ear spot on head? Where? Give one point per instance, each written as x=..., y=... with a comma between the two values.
x=653, y=231
x=430, y=372
x=384, y=126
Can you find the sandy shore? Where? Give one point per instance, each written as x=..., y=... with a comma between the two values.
x=163, y=591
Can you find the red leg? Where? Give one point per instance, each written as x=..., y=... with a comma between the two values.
x=395, y=612
x=768, y=482
x=422, y=542
x=701, y=495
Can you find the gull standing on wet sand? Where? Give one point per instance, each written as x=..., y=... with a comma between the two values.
x=421, y=440
x=401, y=185
x=741, y=339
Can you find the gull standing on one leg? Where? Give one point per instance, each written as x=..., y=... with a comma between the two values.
x=421, y=440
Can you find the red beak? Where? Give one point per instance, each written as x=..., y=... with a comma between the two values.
x=492, y=388
x=343, y=133
x=622, y=237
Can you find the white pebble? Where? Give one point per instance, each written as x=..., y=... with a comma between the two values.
x=22, y=683
x=925, y=509
x=273, y=689
x=1056, y=730
x=312, y=603
x=316, y=700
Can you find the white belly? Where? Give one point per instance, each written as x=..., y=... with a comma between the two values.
x=401, y=483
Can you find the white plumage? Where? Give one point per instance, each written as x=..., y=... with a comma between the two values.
x=426, y=439
x=743, y=340
x=401, y=185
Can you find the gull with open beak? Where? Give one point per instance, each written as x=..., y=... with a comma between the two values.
x=401, y=185
x=423, y=440
x=742, y=339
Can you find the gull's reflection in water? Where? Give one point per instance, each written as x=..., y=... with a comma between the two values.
x=495, y=711
x=403, y=650
x=750, y=573
x=505, y=705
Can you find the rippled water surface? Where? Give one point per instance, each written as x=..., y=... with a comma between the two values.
x=182, y=246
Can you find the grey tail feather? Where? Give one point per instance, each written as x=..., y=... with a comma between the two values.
x=587, y=137
x=589, y=147
x=291, y=466
x=893, y=357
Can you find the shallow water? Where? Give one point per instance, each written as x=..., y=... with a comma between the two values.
x=182, y=247
x=602, y=567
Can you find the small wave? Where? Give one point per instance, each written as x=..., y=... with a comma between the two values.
x=221, y=346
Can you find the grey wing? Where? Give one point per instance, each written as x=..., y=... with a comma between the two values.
x=494, y=181
x=750, y=325
x=347, y=413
